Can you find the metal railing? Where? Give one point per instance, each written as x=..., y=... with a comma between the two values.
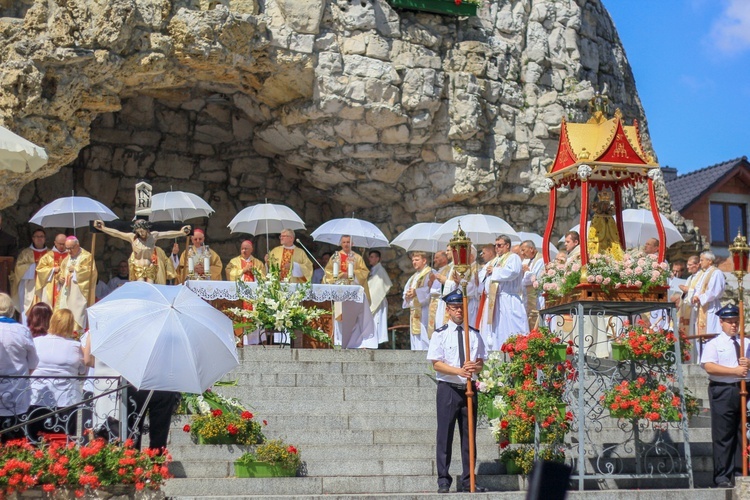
x=70, y=408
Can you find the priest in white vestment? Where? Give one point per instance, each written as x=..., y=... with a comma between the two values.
x=506, y=314
x=379, y=283
x=532, y=265
x=417, y=300
x=23, y=278
x=706, y=300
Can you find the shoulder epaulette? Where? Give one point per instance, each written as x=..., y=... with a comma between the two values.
x=442, y=328
x=473, y=329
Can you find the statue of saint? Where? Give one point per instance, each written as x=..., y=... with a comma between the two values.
x=143, y=261
x=603, y=234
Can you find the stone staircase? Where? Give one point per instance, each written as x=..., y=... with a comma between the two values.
x=364, y=422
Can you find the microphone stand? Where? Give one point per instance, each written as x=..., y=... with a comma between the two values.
x=308, y=252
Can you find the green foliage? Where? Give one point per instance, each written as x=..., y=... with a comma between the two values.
x=277, y=306
x=274, y=452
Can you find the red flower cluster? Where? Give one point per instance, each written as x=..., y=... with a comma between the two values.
x=643, y=399
x=246, y=415
x=292, y=449
x=82, y=468
x=645, y=342
x=217, y=413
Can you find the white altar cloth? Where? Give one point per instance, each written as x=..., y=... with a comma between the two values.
x=357, y=324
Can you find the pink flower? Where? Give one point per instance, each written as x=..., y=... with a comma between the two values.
x=638, y=270
x=591, y=279
x=639, y=283
x=655, y=275
x=599, y=278
x=606, y=281
x=576, y=267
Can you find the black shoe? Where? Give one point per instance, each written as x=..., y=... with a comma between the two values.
x=725, y=484
x=467, y=489
x=444, y=489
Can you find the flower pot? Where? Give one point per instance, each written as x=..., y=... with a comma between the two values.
x=559, y=353
x=262, y=469
x=620, y=352
x=445, y=7
x=217, y=440
x=512, y=468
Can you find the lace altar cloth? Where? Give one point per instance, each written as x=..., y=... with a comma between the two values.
x=355, y=328
x=212, y=290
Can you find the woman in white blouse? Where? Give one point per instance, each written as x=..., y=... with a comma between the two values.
x=59, y=356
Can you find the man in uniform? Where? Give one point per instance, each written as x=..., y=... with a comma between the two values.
x=379, y=284
x=245, y=266
x=417, y=300
x=77, y=280
x=47, y=272
x=505, y=310
x=453, y=369
x=23, y=279
x=726, y=366
x=292, y=261
x=199, y=251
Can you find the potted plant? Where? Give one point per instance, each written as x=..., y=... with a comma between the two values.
x=647, y=399
x=277, y=306
x=606, y=278
x=520, y=459
x=220, y=427
x=642, y=342
x=80, y=469
x=271, y=459
x=202, y=404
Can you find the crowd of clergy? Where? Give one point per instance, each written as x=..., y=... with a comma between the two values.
x=502, y=299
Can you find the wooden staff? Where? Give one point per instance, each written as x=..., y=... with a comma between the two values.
x=743, y=383
x=469, y=391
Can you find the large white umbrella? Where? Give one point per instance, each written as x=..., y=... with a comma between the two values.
x=481, y=229
x=364, y=234
x=265, y=218
x=72, y=212
x=419, y=238
x=538, y=242
x=162, y=337
x=178, y=206
x=639, y=226
x=18, y=154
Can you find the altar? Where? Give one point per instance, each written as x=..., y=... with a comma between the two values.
x=356, y=324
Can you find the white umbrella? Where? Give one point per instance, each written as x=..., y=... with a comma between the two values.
x=419, y=237
x=265, y=218
x=162, y=337
x=178, y=206
x=639, y=226
x=538, y=242
x=481, y=229
x=364, y=234
x=18, y=154
x=72, y=212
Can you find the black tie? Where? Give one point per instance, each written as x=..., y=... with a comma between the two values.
x=461, y=353
x=736, y=348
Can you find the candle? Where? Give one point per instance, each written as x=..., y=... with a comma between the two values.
x=335, y=269
x=206, y=265
x=191, y=265
x=350, y=270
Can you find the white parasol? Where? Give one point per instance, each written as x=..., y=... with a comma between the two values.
x=72, y=212
x=265, y=218
x=481, y=229
x=538, y=242
x=162, y=337
x=419, y=238
x=178, y=206
x=18, y=154
x=364, y=234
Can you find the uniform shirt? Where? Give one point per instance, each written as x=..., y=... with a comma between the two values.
x=444, y=347
x=720, y=350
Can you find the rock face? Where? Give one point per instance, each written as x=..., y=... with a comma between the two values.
x=330, y=106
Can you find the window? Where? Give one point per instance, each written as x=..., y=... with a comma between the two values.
x=726, y=219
